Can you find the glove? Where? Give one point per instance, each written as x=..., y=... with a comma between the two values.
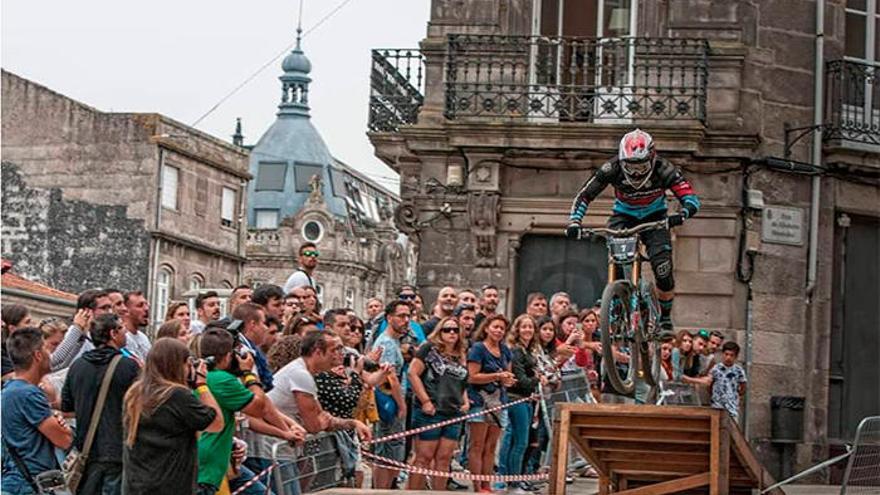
x=674, y=220
x=573, y=231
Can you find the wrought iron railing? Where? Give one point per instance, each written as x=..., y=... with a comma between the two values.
x=396, y=88
x=852, y=102
x=547, y=79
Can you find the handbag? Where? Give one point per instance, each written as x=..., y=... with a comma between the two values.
x=51, y=481
x=75, y=462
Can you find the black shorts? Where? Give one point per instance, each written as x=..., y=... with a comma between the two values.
x=656, y=241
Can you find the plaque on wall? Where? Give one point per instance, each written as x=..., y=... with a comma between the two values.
x=783, y=225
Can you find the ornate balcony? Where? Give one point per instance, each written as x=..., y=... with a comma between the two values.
x=396, y=88
x=553, y=79
x=852, y=102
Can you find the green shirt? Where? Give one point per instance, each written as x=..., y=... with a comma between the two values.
x=215, y=449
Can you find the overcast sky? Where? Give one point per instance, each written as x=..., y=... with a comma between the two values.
x=179, y=58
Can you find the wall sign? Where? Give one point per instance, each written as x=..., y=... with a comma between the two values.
x=782, y=225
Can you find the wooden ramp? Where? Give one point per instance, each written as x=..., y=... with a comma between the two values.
x=654, y=450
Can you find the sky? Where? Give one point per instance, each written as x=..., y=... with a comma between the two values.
x=180, y=57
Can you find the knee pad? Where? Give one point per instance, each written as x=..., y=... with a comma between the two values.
x=662, y=266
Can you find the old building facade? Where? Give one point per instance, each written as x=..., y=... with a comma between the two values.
x=300, y=193
x=123, y=200
x=509, y=105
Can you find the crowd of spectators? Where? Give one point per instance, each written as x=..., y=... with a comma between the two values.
x=197, y=407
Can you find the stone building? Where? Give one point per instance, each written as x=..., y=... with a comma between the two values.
x=124, y=200
x=509, y=105
x=300, y=192
x=41, y=300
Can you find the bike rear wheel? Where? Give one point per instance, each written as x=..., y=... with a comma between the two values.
x=617, y=333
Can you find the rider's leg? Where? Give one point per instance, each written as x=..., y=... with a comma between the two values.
x=659, y=244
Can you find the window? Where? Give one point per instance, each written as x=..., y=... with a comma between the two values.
x=304, y=173
x=169, y=186
x=313, y=231
x=862, y=22
x=163, y=294
x=266, y=219
x=270, y=176
x=227, y=207
x=349, y=298
x=196, y=282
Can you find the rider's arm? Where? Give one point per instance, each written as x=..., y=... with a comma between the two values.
x=590, y=190
x=681, y=188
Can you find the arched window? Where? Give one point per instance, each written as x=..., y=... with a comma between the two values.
x=163, y=293
x=196, y=284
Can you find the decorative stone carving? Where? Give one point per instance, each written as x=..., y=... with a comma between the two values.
x=406, y=217
x=316, y=193
x=483, y=210
x=484, y=176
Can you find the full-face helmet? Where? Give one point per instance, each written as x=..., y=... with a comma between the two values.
x=637, y=156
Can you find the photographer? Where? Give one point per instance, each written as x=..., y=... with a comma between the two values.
x=162, y=417
x=215, y=449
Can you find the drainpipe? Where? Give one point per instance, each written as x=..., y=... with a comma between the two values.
x=818, y=90
x=157, y=243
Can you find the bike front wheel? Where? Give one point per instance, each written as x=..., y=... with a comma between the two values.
x=648, y=335
x=618, y=336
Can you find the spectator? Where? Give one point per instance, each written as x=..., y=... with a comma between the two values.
x=90, y=304
x=356, y=336
x=271, y=298
x=539, y=435
x=174, y=329
x=727, y=380
x=273, y=331
x=253, y=334
x=560, y=303
x=15, y=316
x=489, y=374
x=103, y=470
x=574, y=337
x=467, y=296
x=138, y=317
x=524, y=364
x=701, y=339
x=53, y=332
x=296, y=393
x=207, y=310
x=446, y=302
x=300, y=325
x=310, y=303
x=418, y=307
x=338, y=321
x=292, y=306
x=488, y=303
x=30, y=431
x=117, y=298
x=467, y=317
x=215, y=449
x=398, y=314
x=689, y=361
x=179, y=310
x=439, y=378
x=536, y=305
x=712, y=354
x=670, y=369
x=374, y=308
x=375, y=315
x=285, y=350
x=304, y=273
x=240, y=294
x=162, y=419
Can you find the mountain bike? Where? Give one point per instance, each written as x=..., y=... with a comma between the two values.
x=630, y=314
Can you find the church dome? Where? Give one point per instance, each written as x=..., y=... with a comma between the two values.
x=296, y=61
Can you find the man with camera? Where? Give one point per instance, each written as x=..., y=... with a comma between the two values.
x=235, y=386
x=30, y=430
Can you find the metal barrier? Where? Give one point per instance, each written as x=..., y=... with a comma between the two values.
x=315, y=465
x=863, y=469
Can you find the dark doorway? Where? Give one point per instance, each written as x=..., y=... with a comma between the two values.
x=855, y=332
x=551, y=264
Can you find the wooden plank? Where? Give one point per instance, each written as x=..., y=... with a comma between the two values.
x=583, y=447
x=671, y=486
x=604, y=481
x=651, y=423
x=655, y=448
x=560, y=460
x=724, y=453
x=639, y=411
x=666, y=469
x=685, y=437
x=689, y=458
x=714, y=457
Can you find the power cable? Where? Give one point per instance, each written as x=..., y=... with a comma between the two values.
x=270, y=62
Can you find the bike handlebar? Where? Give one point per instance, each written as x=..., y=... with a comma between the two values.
x=606, y=232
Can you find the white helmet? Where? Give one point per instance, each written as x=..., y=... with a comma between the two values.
x=637, y=156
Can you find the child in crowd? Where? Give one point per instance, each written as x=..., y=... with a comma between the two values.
x=727, y=380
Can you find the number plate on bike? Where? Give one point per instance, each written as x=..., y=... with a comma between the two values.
x=623, y=250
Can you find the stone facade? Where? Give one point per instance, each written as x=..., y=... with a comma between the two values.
x=82, y=198
x=521, y=176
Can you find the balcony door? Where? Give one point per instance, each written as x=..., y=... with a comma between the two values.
x=861, y=105
x=581, y=59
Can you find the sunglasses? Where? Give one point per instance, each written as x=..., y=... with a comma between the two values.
x=47, y=321
x=407, y=297
x=449, y=330
x=310, y=254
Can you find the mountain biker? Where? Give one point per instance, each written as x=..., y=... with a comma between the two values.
x=640, y=179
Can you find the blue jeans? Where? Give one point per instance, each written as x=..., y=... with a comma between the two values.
x=102, y=478
x=516, y=438
x=246, y=474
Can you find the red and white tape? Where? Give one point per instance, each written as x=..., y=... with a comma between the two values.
x=384, y=462
x=416, y=431
x=256, y=478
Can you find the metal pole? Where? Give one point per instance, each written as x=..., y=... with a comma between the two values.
x=818, y=90
x=748, y=356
